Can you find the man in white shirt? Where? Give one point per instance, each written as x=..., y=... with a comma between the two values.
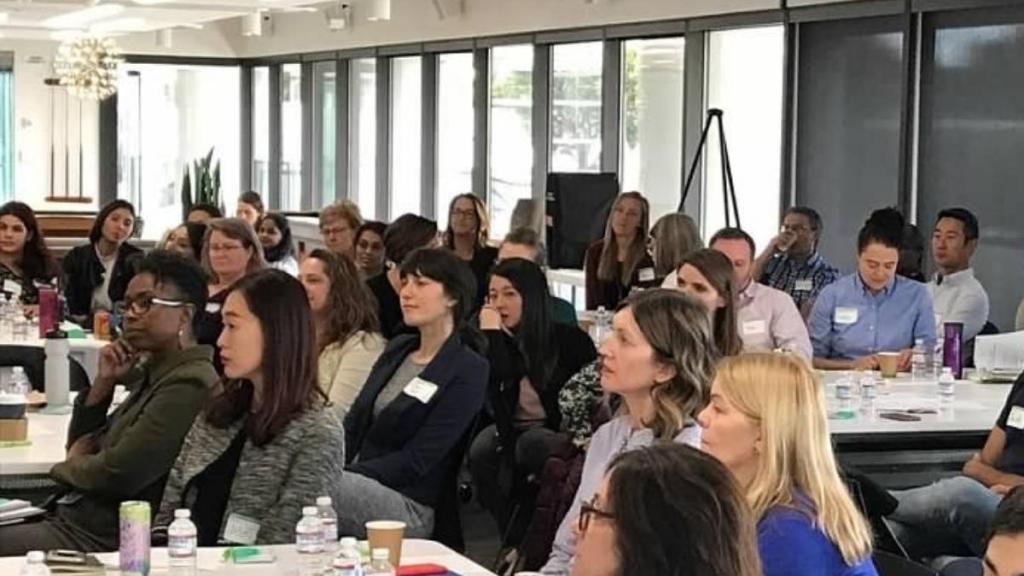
x=767, y=318
x=956, y=293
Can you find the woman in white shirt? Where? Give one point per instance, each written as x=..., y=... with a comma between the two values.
x=276, y=238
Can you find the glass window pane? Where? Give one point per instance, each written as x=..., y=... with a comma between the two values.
x=745, y=81
x=6, y=135
x=362, y=150
x=406, y=128
x=454, y=130
x=291, y=137
x=576, y=107
x=324, y=130
x=652, y=123
x=511, y=129
x=261, y=130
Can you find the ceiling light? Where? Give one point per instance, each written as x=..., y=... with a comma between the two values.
x=84, y=17
x=4, y=17
x=379, y=10
x=87, y=67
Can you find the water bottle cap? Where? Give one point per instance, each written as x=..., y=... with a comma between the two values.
x=379, y=554
x=18, y=370
x=349, y=542
x=947, y=370
x=309, y=511
x=182, y=513
x=323, y=501
x=36, y=557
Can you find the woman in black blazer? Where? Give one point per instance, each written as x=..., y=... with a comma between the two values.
x=403, y=432
x=96, y=275
x=531, y=358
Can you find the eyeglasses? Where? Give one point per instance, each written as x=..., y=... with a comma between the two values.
x=590, y=510
x=463, y=213
x=334, y=230
x=142, y=306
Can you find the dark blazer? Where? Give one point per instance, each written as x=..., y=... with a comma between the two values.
x=609, y=294
x=409, y=446
x=83, y=272
x=574, y=350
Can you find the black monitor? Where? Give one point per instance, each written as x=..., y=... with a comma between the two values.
x=577, y=209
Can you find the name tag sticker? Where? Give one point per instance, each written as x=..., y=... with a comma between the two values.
x=846, y=315
x=754, y=327
x=421, y=390
x=12, y=287
x=1016, y=418
x=647, y=274
x=241, y=529
x=805, y=285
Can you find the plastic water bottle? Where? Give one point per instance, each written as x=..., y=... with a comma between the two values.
x=19, y=382
x=348, y=562
x=309, y=542
x=6, y=320
x=20, y=324
x=602, y=324
x=947, y=384
x=379, y=565
x=181, y=544
x=35, y=564
x=844, y=396
x=329, y=522
x=919, y=369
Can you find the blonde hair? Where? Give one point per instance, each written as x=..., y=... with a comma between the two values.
x=675, y=235
x=238, y=230
x=346, y=210
x=782, y=395
x=609, y=262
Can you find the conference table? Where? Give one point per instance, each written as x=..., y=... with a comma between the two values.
x=86, y=350
x=286, y=561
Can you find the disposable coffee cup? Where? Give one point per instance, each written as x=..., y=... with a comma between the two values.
x=12, y=406
x=889, y=363
x=387, y=534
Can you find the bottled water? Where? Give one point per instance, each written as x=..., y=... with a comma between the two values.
x=181, y=544
x=19, y=382
x=602, y=324
x=19, y=330
x=348, y=562
x=919, y=368
x=6, y=325
x=309, y=542
x=947, y=384
x=329, y=522
x=379, y=565
x=35, y=565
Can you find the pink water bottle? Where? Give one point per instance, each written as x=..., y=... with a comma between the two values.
x=49, y=316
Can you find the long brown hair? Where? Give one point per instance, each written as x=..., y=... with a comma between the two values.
x=482, y=221
x=608, y=269
x=350, y=305
x=674, y=236
x=289, y=359
x=714, y=266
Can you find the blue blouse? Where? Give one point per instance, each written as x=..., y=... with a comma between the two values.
x=791, y=545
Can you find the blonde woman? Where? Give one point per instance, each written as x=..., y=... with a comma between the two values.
x=613, y=265
x=767, y=423
x=659, y=359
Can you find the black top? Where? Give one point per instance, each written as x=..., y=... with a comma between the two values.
x=1011, y=421
x=481, y=264
x=29, y=290
x=213, y=489
x=610, y=293
x=210, y=325
x=83, y=272
x=389, y=309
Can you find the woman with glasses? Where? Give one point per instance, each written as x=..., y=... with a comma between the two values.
x=668, y=510
x=276, y=238
x=338, y=225
x=659, y=359
x=619, y=261
x=25, y=261
x=467, y=235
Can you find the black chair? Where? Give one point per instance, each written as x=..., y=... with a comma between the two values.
x=889, y=564
x=447, y=515
x=33, y=360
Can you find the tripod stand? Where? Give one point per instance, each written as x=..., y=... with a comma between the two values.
x=728, y=188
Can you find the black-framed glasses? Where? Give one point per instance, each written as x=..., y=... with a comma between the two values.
x=141, y=306
x=589, y=510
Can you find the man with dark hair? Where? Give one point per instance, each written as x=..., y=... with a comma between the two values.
x=525, y=243
x=1004, y=555
x=791, y=261
x=957, y=294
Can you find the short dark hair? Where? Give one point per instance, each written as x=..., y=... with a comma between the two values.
x=885, y=226
x=186, y=276
x=735, y=234
x=252, y=199
x=210, y=209
x=527, y=237
x=809, y=213
x=443, y=266
x=97, y=225
x=966, y=217
x=1009, y=518
x=407, y=233
x=374, y=226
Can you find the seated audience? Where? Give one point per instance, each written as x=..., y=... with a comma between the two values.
x=404, y=433
x=250, y=208
x=25, y=260
x=338, y=225
x=531, y=357
x=911, y=263
x=956, y=293
x=264, y=446
x=660, y=360
x=369, y=241
x=525, y=243
x=767, y=423
x=1004, y=553
x=187, y=240
x=275, y=236
x=347, y=333
x=97, y=274
x=127, y=454
x=618, y=262
x=669, y=510
x=766, y=318
x=672, y=237
x=406, y=234
x=203, y=213
x=872, y=310
x=467, y=235
x=791, y=261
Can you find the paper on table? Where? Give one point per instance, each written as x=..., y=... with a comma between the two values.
x=999, y=351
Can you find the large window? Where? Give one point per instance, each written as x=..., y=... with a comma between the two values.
x=744, y=80
x=6, y=133
x=510, y=148
x=406, y=134
x=170, y=116
x=291, y=137
x=325, y=120
x=261, y=130
x=652, y=120
x=455, y=122
x=576, y=107
x=362, y=149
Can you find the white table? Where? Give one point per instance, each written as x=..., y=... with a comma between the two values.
x=85, y=350
x=413, y=552
x=48, y=434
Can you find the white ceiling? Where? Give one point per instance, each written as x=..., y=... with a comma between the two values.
x=56, y=19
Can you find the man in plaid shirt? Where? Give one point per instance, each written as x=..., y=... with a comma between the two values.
x=791, y=261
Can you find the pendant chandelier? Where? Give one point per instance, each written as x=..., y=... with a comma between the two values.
x=87, y=67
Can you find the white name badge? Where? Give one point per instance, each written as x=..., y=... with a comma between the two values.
x=846, y=315
x=754, y=327
x=1016, y=418
x=12, y=287
x=241, y=529
x=421, y=390
x=804, y=285
x=212, y=307
x=647, y=274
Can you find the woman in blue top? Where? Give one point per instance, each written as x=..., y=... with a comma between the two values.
x=872, y=310
x=766, y=422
